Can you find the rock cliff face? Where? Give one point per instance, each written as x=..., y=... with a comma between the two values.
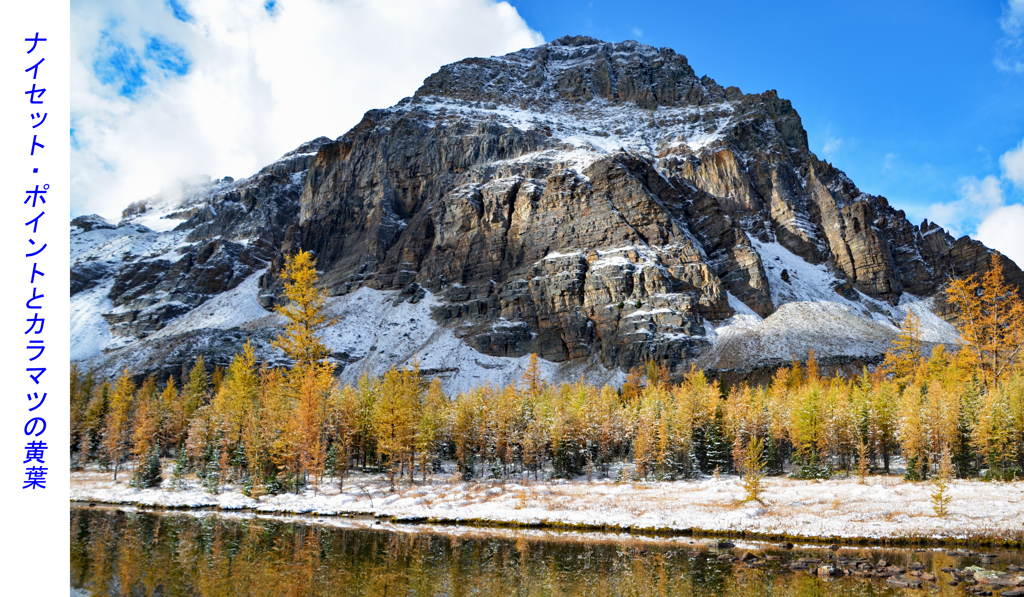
x=586, y=201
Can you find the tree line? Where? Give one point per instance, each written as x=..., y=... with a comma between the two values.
x=270, y=430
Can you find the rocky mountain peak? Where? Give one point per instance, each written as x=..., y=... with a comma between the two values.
x=577, y=69
x=595, y=203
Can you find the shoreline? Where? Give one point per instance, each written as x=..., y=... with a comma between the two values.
x=884, y=512
x=654, y=533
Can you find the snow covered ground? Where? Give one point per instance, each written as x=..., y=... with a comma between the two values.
x=883, y=507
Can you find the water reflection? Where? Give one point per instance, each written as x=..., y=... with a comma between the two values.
x=149, y=554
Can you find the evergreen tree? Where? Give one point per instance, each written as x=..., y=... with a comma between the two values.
x=964, y=457
x=716, y=449
x=96, y=420
x=181, y=468
x=149, y=473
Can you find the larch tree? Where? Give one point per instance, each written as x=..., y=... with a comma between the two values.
x=271, y=434
x=310, y=377
x=466, y=420
x=117, y=428
x=990, y=317
x=146, y=422
x=431, y=422
x=312, y=412
x=196, y=391
x=532, y=380
x=173, y=428
x=903, y=356
x=236, y=398
x=884, y=423
x=344, y=416
x=305, y=313
x=145, y=442
x=396, y=417
x=82, y=389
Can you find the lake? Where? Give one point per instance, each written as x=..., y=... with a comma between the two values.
x=138, y=553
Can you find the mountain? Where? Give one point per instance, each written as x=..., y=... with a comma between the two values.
x=598, y=204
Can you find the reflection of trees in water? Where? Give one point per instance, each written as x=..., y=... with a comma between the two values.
x=139, y=554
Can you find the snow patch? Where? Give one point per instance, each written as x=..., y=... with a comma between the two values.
x=230, y=309
x=90, y=333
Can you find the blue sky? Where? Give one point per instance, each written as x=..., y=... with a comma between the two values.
x=922, y=102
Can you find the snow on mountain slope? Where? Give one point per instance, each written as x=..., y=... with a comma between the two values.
x=376, y=330
x=795, y=329
x=89, y=332
x=813, y=315
x=236, y=308
x=599, y=126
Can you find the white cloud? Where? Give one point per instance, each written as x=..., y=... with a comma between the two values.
x=982, y=207
x=832, y=145
x=1010, y=55
x=1009, y=51
x=259, y=84
x=1012, y=19
x=636, y=32
x=889, y=161
x=985, y=194
x=978, y=198
x=1002, y=231
x=1012, y=164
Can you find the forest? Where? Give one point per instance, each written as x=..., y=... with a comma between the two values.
x=939, y=412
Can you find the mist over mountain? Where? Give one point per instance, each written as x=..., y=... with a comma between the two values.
x=596, y=203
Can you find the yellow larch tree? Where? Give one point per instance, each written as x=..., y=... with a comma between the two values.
x=195, y=394
x=396, y=417
x=903, y=356
x=433, y=416
x=305, y=313
x=990, y=317
x=312, y=411
x=236, y=399
x=532, y=380
x=172, y=428
x=344, y=422
x=117, y=427
x=146, y=422
x=310, y=378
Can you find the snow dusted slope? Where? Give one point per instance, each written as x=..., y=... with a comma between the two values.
x=378, y=330
x=381, y=330
x=814, y=314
